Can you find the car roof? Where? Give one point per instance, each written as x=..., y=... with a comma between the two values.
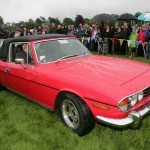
x=28, y=38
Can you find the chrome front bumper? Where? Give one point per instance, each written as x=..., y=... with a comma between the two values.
x=134, y=118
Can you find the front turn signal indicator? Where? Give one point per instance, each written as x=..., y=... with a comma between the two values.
x=100, y=106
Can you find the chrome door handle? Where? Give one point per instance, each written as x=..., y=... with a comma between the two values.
x=7, y=70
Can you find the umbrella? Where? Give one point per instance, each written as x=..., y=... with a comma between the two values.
x=147, y=17
x=103, y=17
x=127, y=16
x=144, y=17
x=141, y=17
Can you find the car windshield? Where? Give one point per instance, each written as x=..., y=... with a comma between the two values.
x=56, y=50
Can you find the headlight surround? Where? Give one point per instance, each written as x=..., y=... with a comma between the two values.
x=124, y=104
x=133, y=99
x=140, y=95
x=127, y=102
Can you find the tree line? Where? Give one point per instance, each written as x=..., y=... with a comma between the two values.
x=30, y=24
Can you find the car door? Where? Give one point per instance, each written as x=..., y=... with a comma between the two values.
x=20, y=78
x=3, y=80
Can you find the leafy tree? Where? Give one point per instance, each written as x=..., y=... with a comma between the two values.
x=87, y=20
x=43, y=19
x=137, y=14
x=31, y=20
x=53, y=20
x=79, y=19
x=68, y=21
x=1, y=20
x=91, y=22
x=30, y=24
x=38, y=22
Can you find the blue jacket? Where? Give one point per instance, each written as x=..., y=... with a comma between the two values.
x=79, y=32
x=147, y=35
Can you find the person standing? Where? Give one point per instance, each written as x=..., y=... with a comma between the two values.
x=126, y=35
x=79, y=31
x=108, y=36
x=117, y=46
x=59, y=29
x=147, y=38
x=17, y=33
x=114, y=29
x=86, y=34
x=24, y=32
x=141, y=38
x=133, y=38
x=93, y=38
x=53, y=28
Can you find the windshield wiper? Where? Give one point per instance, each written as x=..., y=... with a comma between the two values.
x=67, y=56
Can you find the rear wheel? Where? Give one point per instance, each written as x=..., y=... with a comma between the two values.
x=75, y=114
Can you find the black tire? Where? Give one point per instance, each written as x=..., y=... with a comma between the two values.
x=2, y=88
x=75, y=114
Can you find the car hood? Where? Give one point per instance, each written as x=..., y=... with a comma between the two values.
x=102, y=77
x=105, y=69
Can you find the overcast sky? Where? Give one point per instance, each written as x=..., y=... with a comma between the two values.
x=23, y=10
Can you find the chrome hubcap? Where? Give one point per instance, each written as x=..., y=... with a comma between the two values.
x=70, y=114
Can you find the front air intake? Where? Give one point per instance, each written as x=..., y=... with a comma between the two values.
x=146, y=92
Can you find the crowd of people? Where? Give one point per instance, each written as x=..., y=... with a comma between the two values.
x=119, y=38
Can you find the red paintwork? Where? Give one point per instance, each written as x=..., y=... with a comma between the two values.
x=102, y=79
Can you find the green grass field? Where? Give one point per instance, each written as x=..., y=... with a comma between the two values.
x=25, y=125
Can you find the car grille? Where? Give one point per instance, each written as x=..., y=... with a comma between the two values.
x=147, y=92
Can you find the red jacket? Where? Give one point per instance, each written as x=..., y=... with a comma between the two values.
x=141, y=36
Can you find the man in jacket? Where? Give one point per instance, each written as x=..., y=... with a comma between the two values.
x=126, y=35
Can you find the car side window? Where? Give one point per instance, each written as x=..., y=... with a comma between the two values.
x=20, y=50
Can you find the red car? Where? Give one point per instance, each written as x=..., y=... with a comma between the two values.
x=57, y=71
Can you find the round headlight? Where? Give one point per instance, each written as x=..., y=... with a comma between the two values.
x=140, y=95
x=133, y=99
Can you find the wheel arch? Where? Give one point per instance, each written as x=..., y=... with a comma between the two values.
x=87, y=120
x=57, y=101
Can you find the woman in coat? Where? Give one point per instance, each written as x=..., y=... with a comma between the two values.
x=108, y=36
x=141, y=38
x=117, y=36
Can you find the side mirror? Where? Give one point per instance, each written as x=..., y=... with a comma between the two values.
x=20, y=61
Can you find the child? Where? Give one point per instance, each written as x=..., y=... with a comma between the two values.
x=133, y=38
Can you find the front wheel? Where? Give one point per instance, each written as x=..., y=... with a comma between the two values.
x=1, y=87
x=75, y=114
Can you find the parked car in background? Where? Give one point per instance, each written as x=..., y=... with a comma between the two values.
x=57, y=71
